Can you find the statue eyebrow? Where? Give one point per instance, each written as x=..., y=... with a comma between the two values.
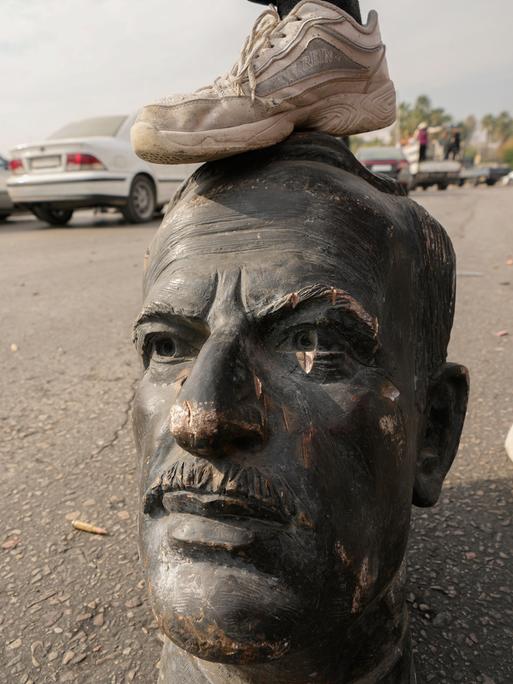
x=336, y=298
x=333, y=297
x=160, y=311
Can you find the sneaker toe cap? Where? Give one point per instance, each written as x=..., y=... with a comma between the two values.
x=183, y=114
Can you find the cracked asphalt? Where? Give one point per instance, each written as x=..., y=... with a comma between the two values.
x=73, y=605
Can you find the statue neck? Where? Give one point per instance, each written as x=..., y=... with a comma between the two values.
x=396, y=667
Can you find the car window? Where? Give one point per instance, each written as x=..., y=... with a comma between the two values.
x=3, y=163
x=124, y=129
x=90, y=128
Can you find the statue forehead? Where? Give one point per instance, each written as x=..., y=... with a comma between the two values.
x=295, y=220
x=284, y=191
x=272, y=262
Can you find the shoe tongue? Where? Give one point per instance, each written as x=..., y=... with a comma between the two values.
x=311, y=9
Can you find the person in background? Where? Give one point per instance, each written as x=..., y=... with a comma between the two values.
x=454, y=147
x=423, y=140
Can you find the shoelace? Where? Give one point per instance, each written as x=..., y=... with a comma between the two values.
x=261, y=35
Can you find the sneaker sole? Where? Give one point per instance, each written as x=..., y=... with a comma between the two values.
x=337, y=115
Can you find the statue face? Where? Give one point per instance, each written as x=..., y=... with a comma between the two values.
x=275, y=420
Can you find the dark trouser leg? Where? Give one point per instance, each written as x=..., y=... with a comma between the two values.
x=352, y=7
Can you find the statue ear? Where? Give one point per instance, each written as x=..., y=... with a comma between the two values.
x=446, y=406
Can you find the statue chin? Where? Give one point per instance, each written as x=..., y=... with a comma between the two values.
x=209, y=641
x=229, y=615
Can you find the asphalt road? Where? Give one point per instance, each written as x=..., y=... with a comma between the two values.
x=72, y=605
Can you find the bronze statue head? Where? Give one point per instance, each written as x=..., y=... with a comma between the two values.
x=295, y=402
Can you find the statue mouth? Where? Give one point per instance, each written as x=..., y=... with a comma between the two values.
x=216, y=505
x=185, y=529
x=201, y=488
x=216, y=522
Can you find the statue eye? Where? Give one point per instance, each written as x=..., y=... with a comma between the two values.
x=164, y=347
x=304, y=340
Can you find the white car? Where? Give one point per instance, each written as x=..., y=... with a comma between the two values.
x=89, y=164
x=6, y=205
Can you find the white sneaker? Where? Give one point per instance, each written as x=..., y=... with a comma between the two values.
x=316, y=69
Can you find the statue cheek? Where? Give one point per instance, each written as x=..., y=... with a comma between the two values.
x=375, y=481
x=152, y=405
x=150, y=420
x=370, y=414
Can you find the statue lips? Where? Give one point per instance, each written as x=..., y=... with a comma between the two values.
x=195, y=530
x=216, y=521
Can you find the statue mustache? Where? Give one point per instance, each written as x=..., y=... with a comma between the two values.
x=224, y=480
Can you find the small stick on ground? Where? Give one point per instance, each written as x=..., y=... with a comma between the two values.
x=86, y=527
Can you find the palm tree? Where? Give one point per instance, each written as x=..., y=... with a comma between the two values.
x=422, y=110
x=489, y=123
x=504, y=127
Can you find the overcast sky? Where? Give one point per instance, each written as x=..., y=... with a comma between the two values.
x=66, y=59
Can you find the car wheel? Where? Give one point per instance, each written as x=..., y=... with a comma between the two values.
x=442, y=186
x=55, y=217
x=141, y=201
x=490, y=182
x=4, y=217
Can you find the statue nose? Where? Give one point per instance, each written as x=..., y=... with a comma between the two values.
x=204, y=430
x=218, y=410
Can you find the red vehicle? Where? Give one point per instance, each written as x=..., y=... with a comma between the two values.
x=387, y=161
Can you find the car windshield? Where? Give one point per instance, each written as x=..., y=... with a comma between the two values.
x=91, y=128
x=378, y=153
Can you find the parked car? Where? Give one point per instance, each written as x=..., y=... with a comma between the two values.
x=88, y=164
x=487, y=174
x=6, y=205
x=435, y=170
x=440, y=173
x=388, y=161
